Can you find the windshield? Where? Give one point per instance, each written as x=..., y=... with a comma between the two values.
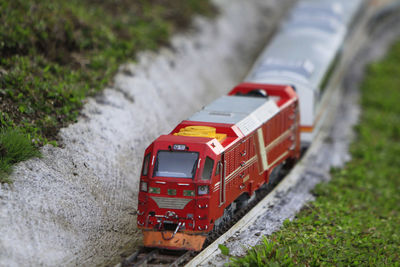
x=176, y=164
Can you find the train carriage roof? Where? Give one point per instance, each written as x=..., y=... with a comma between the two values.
x=247, y=113
x=307, y=44
x=310, y=49
x=342, y=10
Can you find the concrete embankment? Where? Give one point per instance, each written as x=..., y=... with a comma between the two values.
x=76, y=205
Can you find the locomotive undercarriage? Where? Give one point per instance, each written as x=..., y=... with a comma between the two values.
x=171, y=232
x=244, y=203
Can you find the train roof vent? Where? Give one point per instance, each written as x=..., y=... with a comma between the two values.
x=304, y=68
x=248, y=124
x=323, y=9
x=258, y=117
x=324, y=24
x=247, y=113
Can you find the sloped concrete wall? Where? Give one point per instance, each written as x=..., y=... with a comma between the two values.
x=76, y=205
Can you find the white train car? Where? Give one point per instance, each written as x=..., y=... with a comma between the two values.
x=304, y=52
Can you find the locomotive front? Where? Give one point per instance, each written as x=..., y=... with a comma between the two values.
x=174, y=198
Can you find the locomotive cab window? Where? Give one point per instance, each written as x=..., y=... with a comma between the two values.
x=145, y=168
x=208, y=168
x=217, y=168
x=176, y=164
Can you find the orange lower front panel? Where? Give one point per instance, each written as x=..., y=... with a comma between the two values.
x=306, y=129
x=179, y=241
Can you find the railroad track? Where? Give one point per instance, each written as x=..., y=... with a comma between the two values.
x=159, y=257
x=162, y=257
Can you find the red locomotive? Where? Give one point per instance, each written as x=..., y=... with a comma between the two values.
x=209, y=166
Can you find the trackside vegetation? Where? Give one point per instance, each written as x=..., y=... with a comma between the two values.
x=14, y=147
x=55, y=53
x=355, y=220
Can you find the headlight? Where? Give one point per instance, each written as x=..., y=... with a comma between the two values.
x=172, y=192
x=203, y=190
x=154, y=190
x=143, y=186
x=188, y=193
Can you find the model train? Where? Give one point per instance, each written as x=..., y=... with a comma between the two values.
x=197, y=177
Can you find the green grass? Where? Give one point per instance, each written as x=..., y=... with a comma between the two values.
x=355, y=220
x=55, y=53
x=14, y=147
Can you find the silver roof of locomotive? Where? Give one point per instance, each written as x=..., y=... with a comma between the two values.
x=304, y=48
x=247, y=113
